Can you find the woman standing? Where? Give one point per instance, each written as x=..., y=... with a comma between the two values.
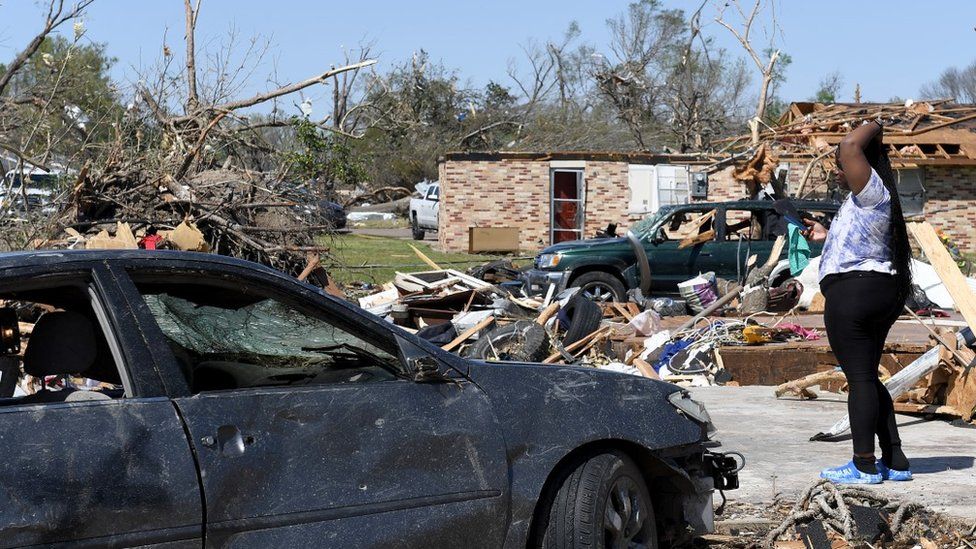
x=865, y=278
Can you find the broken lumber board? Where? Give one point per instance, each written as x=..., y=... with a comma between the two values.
x=623, y=311
x=468, y=333
x=947, y=270
x=913, y=408
x=577, y=344
x=800, y=386
x=423, y=257
x=777, y=364
x=961, y=392
x=645, y=369
x=963, y=361
x=547, y=313
x=898, y=384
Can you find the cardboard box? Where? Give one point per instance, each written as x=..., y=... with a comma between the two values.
x=493, y=239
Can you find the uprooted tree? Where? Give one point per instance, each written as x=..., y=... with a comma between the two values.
x=183, y=149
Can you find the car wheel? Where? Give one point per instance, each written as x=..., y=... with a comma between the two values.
x=522, y=341
x=417, y=232
x=601, y=287
x=603, y=503
x=584, y=318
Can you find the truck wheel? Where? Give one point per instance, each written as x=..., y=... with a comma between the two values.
x=522, y=341
x=603, y=503
x=600, y=286
x=417, y=232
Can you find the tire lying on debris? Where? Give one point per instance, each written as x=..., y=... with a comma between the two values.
x=522, y=341
x=583, y=318
x=603, y=502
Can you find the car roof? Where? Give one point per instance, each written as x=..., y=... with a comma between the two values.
x=761, y=204
x=10, y=260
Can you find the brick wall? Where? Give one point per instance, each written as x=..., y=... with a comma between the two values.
x=607, y=196
x=722, y=187
x=515, y=193
x=504, y=193
x=950, y=203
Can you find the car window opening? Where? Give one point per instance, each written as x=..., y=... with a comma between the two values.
x=228, y=339
x=54, y=349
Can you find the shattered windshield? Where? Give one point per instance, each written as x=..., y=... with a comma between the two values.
x=643, y=228
x=265, y=328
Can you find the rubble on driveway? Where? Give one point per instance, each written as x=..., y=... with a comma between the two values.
x=825, y=516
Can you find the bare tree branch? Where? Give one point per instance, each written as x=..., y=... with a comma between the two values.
x=284, y=90
x=191, y=69
x=55, y=18
x=766, y=68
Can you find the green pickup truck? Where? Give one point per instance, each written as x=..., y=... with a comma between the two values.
x=606, y=268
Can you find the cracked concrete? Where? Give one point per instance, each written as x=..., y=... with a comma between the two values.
x=774, y=436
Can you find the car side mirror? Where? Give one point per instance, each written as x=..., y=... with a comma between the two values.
x=659, y=236
x=419, y=364
x=425, y=368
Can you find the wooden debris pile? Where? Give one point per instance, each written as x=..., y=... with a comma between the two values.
x=224, y=211
x=943, y=379
x=810, y=126
x=916, y=133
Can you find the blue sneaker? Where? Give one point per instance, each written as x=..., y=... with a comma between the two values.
x=849, y=474
x=892, y=474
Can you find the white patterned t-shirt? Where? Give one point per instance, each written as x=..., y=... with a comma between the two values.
x=858, y=239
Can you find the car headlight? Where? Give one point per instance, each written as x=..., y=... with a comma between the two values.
x=548, y=261
x=692, y=408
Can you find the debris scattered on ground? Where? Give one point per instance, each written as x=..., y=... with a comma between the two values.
x=826, y=516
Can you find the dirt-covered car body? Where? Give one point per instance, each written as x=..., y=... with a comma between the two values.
x=184, y=445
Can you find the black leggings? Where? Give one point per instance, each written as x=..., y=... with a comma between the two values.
x=860, y=309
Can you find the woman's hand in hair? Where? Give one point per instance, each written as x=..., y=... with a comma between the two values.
x=815, y=231
x=850, y=155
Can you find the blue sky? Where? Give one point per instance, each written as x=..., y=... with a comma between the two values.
x=890, y=47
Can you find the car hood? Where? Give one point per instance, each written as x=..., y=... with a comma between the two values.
x=570, y=405
x=587, y=244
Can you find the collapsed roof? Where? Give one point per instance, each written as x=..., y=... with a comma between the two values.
x=938, y=132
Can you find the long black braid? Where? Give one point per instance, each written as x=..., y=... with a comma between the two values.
x=900, y=247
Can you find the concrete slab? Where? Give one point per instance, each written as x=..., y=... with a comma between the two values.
x=774, y=436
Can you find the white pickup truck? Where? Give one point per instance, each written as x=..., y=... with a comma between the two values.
x=423, y=211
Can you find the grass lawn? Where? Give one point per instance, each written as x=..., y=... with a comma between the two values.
x=351, y=251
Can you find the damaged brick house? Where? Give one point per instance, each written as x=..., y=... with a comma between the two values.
x=555, y=196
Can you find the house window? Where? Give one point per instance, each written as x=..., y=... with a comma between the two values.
x=911, y=192
x=568, y=196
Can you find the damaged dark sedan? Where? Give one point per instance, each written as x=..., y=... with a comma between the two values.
x=176, y=399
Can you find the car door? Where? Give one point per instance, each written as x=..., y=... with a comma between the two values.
x=428, y=214
x=344, y=461
x=109, y=472
x=738, y=236
x=671, y=264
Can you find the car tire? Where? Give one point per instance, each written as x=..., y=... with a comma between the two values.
x=584, y=318
x=415, y=230
x=522, y=341
x=603, y=503
x=600, y=286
